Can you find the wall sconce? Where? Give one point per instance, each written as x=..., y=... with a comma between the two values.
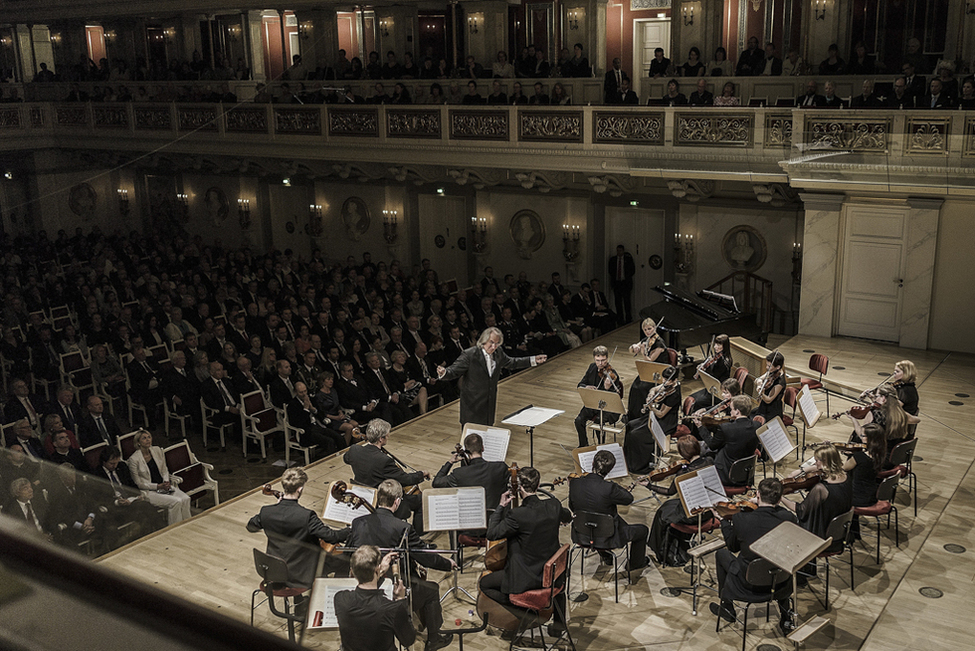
x=683, y=253
x=315, y=226
x=574, y=19
x=479, y=234
x=384, y=25
x=819, y=7
x=169, y=33
x=304, y=30
x=390, y=226
x=570, y=243
x=472, y=24
x=233, y=31
x=183, y=205
x=688, y=15
x=244, y=213
x=110, y=36
x=55, y=40
x=797, y=263
x=123, y=201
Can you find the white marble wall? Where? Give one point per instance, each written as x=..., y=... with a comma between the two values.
x=921, y=244
x=821, y=235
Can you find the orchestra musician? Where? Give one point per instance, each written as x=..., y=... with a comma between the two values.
x=600, y=375
x=371, y=465
x=650, y=348
x=594, y=494
x=905, y=374
x=293, y=532
x=718, y=365
x=481, y=366
x=669, y=545
x=770, y=388
x=743, y=529
x=733, y=440
x=831, y=497
x=888, y=413
x=492, y=475
x=384, y=529
x=532, y=532
x=863, y=468
x=368, y=621
x=729, y=389
x=663, y=401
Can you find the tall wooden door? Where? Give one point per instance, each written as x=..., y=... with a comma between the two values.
x=648, y=35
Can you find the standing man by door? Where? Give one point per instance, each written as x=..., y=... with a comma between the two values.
x=621, y=272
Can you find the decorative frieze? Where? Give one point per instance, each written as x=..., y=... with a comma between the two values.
x=778, y=130
x=628, y=127
x=197, y=118
x=9, y=118
x=300, y=121
x=353, y=122
x=478, y=125
x=116, y=117
x=153, y=117
x=969, y=149
x=851, y=134
x=714, y=130
x=412, y=123
x=37, y=119
x=927, y=136
x=71, y=116
x=549, y=126
x=247, y=120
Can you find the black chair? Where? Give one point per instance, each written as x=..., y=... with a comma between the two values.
x=902, y=460
x=587, y=528
x=883, y=506
x=839, y=529
x=274, y=576
x=741, y=475
x=760, y=575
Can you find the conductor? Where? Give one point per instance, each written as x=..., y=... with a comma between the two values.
x=480, y=366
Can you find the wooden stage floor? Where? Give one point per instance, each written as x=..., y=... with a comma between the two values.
x=208, y=559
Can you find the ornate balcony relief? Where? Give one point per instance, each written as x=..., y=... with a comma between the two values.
x=852, y=134
x=247, y=120
x=9, y=118
x=37, y=119
x=969, y=149
x=775, y=194
x=612, y=183
x=927, y=136
x=713, y=130
x=479, y=178
x=71, y=116
x=778, y=130
x=353, y=122
x=116, y=117
x=196, y=118
x=478, y=125
x=153, y=118
x=299, y=121
x=419, y=174
x=412, y=123
x=691, y=189
x=628, y=128
x=543, y=181
x=548, y=126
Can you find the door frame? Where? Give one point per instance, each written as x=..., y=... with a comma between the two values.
x=636, y=80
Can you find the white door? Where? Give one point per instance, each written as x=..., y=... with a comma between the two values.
x=444, y=217
x=642, y=233
x=648, y=35
x=873, y=272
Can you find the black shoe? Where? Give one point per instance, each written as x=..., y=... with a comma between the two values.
x=787, y=624
x=439, y=642
x=642, y=564
x=606, y=559
x=556, y=629
x=723, y=611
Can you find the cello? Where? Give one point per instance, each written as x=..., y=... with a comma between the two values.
x=496, y=555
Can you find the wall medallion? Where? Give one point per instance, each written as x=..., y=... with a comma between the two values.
x=355, y=216
x=744, y=248
x=81, y=200
x=527, y=232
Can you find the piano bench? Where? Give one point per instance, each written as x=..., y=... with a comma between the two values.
x=608, y=428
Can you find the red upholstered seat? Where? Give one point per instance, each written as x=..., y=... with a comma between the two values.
x=688, y=405
x=897, y=470
x=690, y=529
x=811, y=383
x=736, y=490
x=682, y=430
x=542, y=598
x=535, y=599
x=284, y=591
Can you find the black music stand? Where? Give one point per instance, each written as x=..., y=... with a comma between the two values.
x=602, y=401
x=530, y=417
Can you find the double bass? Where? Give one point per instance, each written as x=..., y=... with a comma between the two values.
x=496, y=556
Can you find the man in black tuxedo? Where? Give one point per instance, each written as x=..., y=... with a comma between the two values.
x=354, y=395
x=420, y=366
x=121, y=499
x=384, y=529
x=217, y=395
x=867, y=99
x=144, y=385
x=733, y=441
x=901, y=98
x=303, y=415
x=65, y=407
x=282, y=388
x=593, y=494
x=628, y=96
x=97, y=426
x=293, y=532
x=455, y=344
x=613, y=83
x=532, y=532
x=237, y=335
x=584, y=305
x=936, y=97
x=389, y=406
x=702, y=96
x=244, y=381
x=492, y=475
x=751, y=60
x=621, y=272
x=916, y=84
x=593, y=379
x=481, y=367
x=740, y=532
x=181, y=388
x=367, y=619
x=22, y=405
x=63, y=453
x=812, y=98
x=771, y=64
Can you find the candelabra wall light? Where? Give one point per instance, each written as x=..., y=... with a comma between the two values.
x=819, y=8
x=797, y=263
x=574, y=19
x=315, y=226
x=390, y=226
x=684, y=253
x=472, y=24
x=233, y=31
x=244, y=213
x=169, y=33
x=304, y=30
x=688, y=14
x=123, y=201
x=479, y=234
x=570, y=243
x=55, y=40
x=971, y=7
x=384, y=25
x=183, y=205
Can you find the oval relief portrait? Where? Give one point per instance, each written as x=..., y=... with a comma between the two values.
x=744, y=248
x=527, y=232
x=355, y=217
x=81, y=200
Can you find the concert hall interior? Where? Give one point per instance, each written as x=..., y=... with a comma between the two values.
x=155, y=156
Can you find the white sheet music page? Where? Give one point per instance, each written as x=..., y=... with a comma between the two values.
x=774, y=439
x=619, y=470
x=341, y=512
x=460, y=508
x=663, y=441
x=695, y=493
x=712, y=482
x=495, y=441
x=532, y=417
x=321, y=606
x=807, y=406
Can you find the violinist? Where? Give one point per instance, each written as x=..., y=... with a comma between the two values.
x=600, y=375
x=492, y=475
x=888, y=413
x=729, y=389
x=371, y=465
x=905, y=374
x=669, y=545
x=293, y=531
x=829, y=498
x=591, y=493
x=770, y=388
x=718, y=365
x=863, y=468
x=650, y=348
x=664, y=403
x=734, y=440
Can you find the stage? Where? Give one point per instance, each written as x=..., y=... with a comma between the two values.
x=208, y=559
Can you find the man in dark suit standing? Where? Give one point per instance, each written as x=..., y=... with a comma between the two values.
x=621, y=272
x=593, y=494
x=492, y=475
x=739, y=533
x=384, y=529
x=481, y=367
x=97, y=426
x=593, y=379
x=368, y=621
x=293, y=532
x=532, y=532
x=613, y=83
x=733, y=441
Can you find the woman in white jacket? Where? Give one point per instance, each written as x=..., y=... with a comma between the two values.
x=147, y=465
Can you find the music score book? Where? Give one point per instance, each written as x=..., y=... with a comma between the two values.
x=807, y=407
x=583, y=458
x=321, y=604
x=700, y=489
x=711, y=384
x=343, y=513
x=495, y=440
x=774, y=439
x=454, y=509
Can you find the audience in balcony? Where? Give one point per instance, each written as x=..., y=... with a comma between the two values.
x=497, y=96
x=833, y=64
x=374, y=69
x=659, y=65
x=702, y=96
x=812, y=98
x=577, y=66
x=914, y=56
x=559, y=96
x=542, y=67
x=901, y=98
x=472, y=69
x=436, y=95
x=866, y=99
x=501, y=69
x=401, y=95
x=391, y=69
x=727, y=97
x=861, y=63
x=525, y=65
x=539, y=98
x=936, y=98
x=517, y=97
x=751, y=59
x=472, y=97
x=916, y=86
x=408, y=70
x=693, y=66
x=949, y=85
x=967, y=98
x=793, y=66
x=771, y=64
x=613, y=83
x=673, y=96
x=831, y=99
x=719, y=65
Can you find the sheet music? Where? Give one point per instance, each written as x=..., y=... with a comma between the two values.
x=321, y=605
x=532, y=417
x=807, y=406
x=619, y=470
x=336, y=511
x=694, y=494
x=495, y=440
x=663, y=441
x=454, y=509
x=774, y=439
x=712, y=482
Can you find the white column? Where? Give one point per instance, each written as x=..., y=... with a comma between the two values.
x=821, y=235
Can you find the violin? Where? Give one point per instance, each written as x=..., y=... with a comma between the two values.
x=357, y=434
x=859, y=411
x=842, y=447
x=496, y=554
x=728, y=509
x=871, y=393
x=462, y=453
x=267, y=490
x=609, y=372
x=669, y=471
x=803, y=481
x=659, y=394
x=766, y=381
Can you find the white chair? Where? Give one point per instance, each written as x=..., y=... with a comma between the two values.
x=170, y=414
x=292, y=441
x=206, y=414
x=193, y=473
x=257, y=420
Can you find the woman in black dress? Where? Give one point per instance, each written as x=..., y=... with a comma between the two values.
x=718, y=365
x=863, y=467
x=411, y=390
x=771, y=388
x=652, y=349
x=905, y=374
x=639, y=447
x=669, y=545
x=326, y=401
x=890, y=416
x=831, y=497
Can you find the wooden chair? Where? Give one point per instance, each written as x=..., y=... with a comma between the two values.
x=257, y=420
x=820, y=364
x=171, y=414
x=93, y=454
x=194, y=474
x=292, y=441
x=205, y=415
x=76, y=373
x=126, y=443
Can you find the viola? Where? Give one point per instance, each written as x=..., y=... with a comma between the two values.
x=669, y=471
x=496, y=554
x=728, y=509
x=842, y=447
x=462, y=453
x=803, y=481
x=659, y=394
x=267, y=490
x=609, y=372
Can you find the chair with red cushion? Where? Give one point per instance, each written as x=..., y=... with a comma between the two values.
x=274, y=576
x=741, y=476
x=672, y=357
x=740, y=374
x=838, y=529
x=542, y=600
x=819, y=363
x=901, y=457
x=790, y=398
x=883, y=506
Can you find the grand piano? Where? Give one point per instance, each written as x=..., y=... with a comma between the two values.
x=692, y=319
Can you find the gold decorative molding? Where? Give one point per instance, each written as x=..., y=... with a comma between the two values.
x=413, y=123
x=547, y=126
x=353, y=122
x=478, y=125
x=116, y=117
x=778, y=130
x=71, y=116
x=852, y=134
x=244, y=119
x=714, y=130
x=628, y=127
x=927, y=136
x=298, y=121
x=196, y=118
x=153, y=117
